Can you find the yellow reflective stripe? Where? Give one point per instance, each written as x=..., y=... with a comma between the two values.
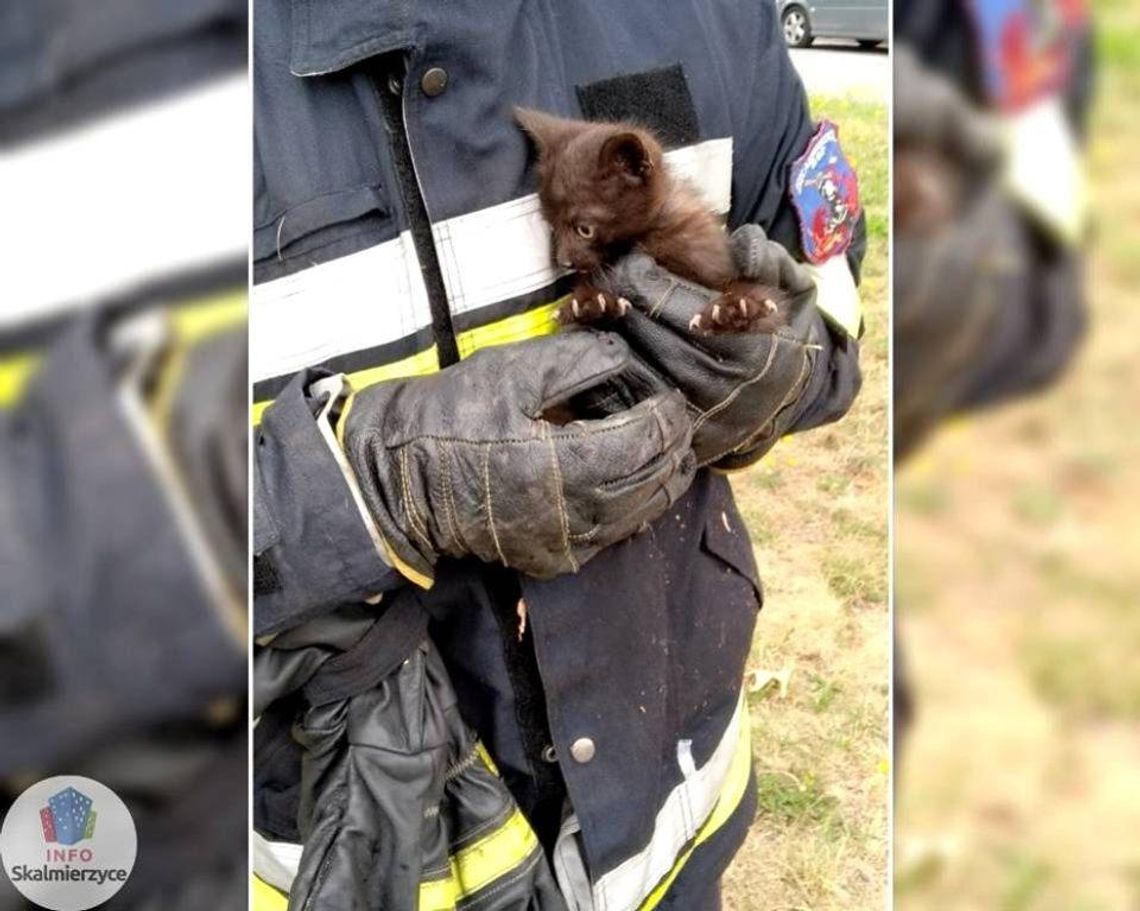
x=531, y=324
x=732, y=792
x=482, y=863
x=266, y=898
x=190, y=321
x=15, y=372
x=420, y=364
x=486, y=757
x=196, y=320
x=495, y=855
x=439, y=895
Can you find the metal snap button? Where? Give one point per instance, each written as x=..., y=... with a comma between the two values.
x=434, y=81
x=549, y=754
x=583, y=749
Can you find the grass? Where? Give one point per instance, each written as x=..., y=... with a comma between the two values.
x=1020, y=530
x=816, y=508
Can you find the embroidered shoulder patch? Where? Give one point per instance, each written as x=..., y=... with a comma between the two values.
x=825, y=192
x=1023, y=48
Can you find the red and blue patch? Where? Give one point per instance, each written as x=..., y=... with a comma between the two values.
x=1024, y=47
x=825, y=192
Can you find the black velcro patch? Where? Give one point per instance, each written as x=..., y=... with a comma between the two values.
x=265, y=578
x=27, y=675
x=658, y=99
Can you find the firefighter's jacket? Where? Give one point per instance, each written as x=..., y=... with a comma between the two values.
x=397, y=230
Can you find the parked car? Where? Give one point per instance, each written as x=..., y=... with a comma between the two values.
x=803, y=21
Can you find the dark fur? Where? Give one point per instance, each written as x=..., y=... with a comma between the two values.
x=609, y=182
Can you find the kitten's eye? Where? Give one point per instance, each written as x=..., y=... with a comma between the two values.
x=585, y=231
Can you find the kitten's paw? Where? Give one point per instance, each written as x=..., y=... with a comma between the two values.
x=589, y=304
x=741, y=308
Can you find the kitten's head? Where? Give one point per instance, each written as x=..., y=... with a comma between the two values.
x=600, y=185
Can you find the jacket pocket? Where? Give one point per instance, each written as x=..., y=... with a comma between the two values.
x=304, y=227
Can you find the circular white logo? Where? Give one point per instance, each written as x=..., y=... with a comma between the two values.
x=68, y=843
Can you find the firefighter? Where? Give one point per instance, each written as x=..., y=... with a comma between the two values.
x=500, y=660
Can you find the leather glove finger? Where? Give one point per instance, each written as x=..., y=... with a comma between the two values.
x=466, y=462
x=627, y=468
x=735, y=384
x=763, y=260
x=930, y=111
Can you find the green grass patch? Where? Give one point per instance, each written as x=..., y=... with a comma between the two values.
x=792, y=799
x=854, y=580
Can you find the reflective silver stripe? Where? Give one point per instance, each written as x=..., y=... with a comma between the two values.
x=570, y=867
x=128, y=199
x=276, y=862
x=349, y=304
x=377, y=296
x=681, y=815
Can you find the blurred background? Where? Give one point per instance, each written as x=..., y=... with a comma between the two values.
x=1017, y=585
x=819, y=693
x=124, y=188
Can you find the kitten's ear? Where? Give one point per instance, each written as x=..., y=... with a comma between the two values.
x=546, y=130
x=629, y=155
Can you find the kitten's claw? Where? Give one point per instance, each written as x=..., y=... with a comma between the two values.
x=576, y=308
x=623, y=306
x=769, y=305
x=743, y=304
x=695, y=323
x=602, y=301
x=716, y=312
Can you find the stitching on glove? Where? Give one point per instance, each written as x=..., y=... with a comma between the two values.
x=656, y=308
x=559, y=498
x=586, y=537
x=487, y=496
x=529, y=441
x=409, y=509
x=732, y=396
x=449, y=510
x=793, y=390
x=523, y=872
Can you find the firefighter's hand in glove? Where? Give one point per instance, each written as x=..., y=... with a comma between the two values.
x=741, y=388
x=463, y=462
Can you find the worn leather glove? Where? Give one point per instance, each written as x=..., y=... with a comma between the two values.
x=463, y=462
x=741, y=389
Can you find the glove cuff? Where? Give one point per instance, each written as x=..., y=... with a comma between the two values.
x=369, y=474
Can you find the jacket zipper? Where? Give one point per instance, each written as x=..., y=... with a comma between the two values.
x=388, y=84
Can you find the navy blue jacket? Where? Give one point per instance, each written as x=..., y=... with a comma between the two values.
x=643, y=650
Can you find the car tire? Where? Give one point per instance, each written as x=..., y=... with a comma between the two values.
x=796, y=26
